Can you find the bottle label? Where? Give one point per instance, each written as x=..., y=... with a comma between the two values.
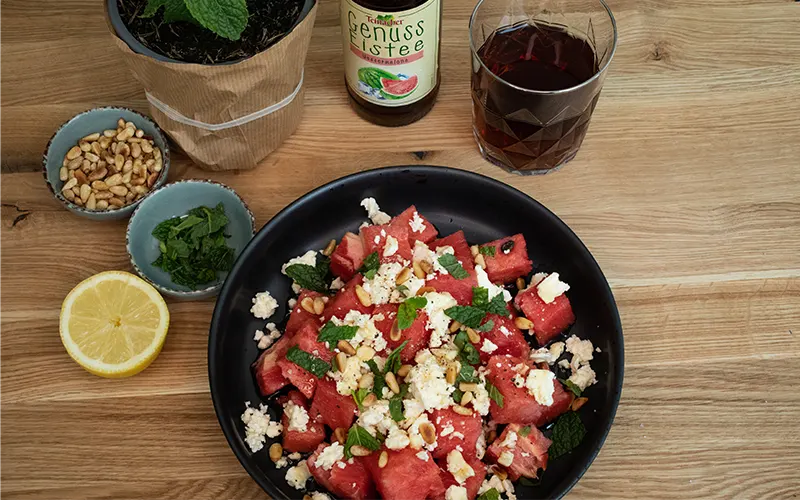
x=391, y=59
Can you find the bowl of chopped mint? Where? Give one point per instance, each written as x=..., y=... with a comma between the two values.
x=184, y=237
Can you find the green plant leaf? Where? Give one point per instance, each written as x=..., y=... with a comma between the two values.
x=525, y=431
x=489, y=251
x=226, y=18
x=378, y=384
x=466, y=351
x=359, y=396
x=407, y=312
x=466, y=315
x=572, y=387
x=497, y=306
x=358, y=435
x=494, y=394
x=485, y=327
x=332, y=334
x=308, y=362
x=393, y=361
x=369, y=267
x=307, y=277
x=568, y=432
x=449, y=262
x=490, y=494
x=174, y=10
x=396, y=404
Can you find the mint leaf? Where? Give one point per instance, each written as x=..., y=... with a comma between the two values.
x=485, y=327
x=308, y=277
x=332, y=334
x=480, y=296
x=466, y=375
x=568, y=432
x=308, y=362
x=407, y=312
x=226, y=18
x=457, y=395
x=377, y=385
x=466, y=351
x=359, y=436
x=525, y=431
x=369, y=267
x=359, y=396
x=174, y=10
x=466, y=315
x=393, y=362
x=402, y=289
x=497, y=306
x=449, y=262
x=572, y=387
x=494, y=394
x=396, y=404
x=490, y=494
x=488, y=251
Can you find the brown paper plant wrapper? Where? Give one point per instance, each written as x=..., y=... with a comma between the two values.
x=228, y=116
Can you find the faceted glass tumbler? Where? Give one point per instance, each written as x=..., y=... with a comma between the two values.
x=517, y=127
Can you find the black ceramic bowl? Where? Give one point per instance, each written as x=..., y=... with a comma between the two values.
x=451, y=199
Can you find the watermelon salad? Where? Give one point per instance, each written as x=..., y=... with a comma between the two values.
x=406, y=369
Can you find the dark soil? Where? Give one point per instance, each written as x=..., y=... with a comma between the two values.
x=269, y=21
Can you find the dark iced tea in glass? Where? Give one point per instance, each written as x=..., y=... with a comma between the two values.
x=534, y=86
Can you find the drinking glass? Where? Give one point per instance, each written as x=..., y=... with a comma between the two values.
x=537, y=70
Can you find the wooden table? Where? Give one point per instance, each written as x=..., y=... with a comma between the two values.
x=687, y=191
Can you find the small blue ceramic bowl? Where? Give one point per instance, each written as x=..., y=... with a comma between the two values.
x=89, y=122
x=175, y=200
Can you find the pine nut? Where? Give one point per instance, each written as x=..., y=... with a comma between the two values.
x=465, y=386
x=501, y=474
x=391, y=381
x=363, y=296
x=427, y=432
x=70, y=184
x=82, y=179
x=99, y=173
x=120, y=124
x=451, y=373
x=275, y=452
x=151, y=179
x=69, y=195
x=360, y=451
x=121, y=191
x=425, y=289
x=91, y=137
x=369, y=400
x=454, y=326
x=346, y=347
x=520, y=283
x=480, y=261
x=367, y=380
x=109, y=133
x=126, y=134
x=474, y=250
x=85, y=146
x=578, y=403
x=307, y=304
x=73, y=153
x=340, y=435
x=103, y=195
x=147, y=148
x=76, y=163
x=417, y=270
x=491, y=436
x=319, y=306
x=329, y=248
x=85, y=192
x=341, y=361
x=474, y=337
x=99, y=186
x=78, y=201
x=136, y=150
x=101, y=205
x=462, y=411
x=117, y=202
x=139, y=133
x=96, y=149
x=404, y=370
x=126, y=178
x=156, y=154
x=63, y=174
x=91, y=202
x=403, y=276
x=466, y=398
x=365, y=353
x=426, y=267
x=395, y=333
x=383, y=459
x=523, y=323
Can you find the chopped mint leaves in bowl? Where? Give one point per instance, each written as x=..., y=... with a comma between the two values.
x=184, y=238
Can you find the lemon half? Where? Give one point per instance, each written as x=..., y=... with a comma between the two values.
x=114, y=324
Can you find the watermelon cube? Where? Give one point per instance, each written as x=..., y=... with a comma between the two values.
x=266, y=370
x=506, y=267
x=330, y=407
x=413, y=220
x=417, y=336
x=472, y=484
x=405, y=476
x=530, y=451
x=299, y=316
x=348, y=256
x=461, y=431
x=506, y=336
x=374, y=238
x=460, y=289
x=305, y=339
x=518, y=405
x=300, y=441
x=460, y=246
x=352, y=481
x=346, y=300
x=549, y=320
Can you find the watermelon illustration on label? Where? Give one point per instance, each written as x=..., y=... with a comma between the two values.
x=381, y=84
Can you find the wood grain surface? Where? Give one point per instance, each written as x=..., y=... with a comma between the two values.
x=687, y=191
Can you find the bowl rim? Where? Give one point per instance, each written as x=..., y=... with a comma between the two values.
x=99, y=214
x=228, y=428
x=184, y=293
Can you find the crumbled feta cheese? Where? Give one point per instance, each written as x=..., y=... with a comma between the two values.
x=397, y=439
x=281, y=463
x=493, y=482
x=510, y=440
x=416, y=223
x=480, y=401
x=292, y=302
x=423, y=455
x=413, y=284
x=264, y=305
x=337, y=284
x=319, y=496
x=549, y=356
x=329, y=456
x=413, y=409
x=480, y=446
x=415, y=437
x=391, y=246
x=258, y=426
x=456, y=493
x=505, y=330
x=550, y=288
x=583, y=377
x=298, y=475
x=438, y=322
x=597, y=349
x=449, y=429
x=536, y=279
x=582, y=351
x=459, y=467
x=309, y=258
x=506, y=458
x=374, y=211
x=377, y=239
x=266, y=340
x=297, y=416
x=381, y=286
x=422, y=252
x=367, y=333
x=427, y=382
x=488, y=346
x=347, y=379
x=540, y=385
x=295, y=456
x=483, y=281
x=519, y=381
x=296, y=288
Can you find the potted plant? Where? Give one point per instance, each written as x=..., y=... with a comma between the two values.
x=224, y=78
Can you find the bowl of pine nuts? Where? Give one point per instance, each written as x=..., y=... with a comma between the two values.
x=103, y=162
